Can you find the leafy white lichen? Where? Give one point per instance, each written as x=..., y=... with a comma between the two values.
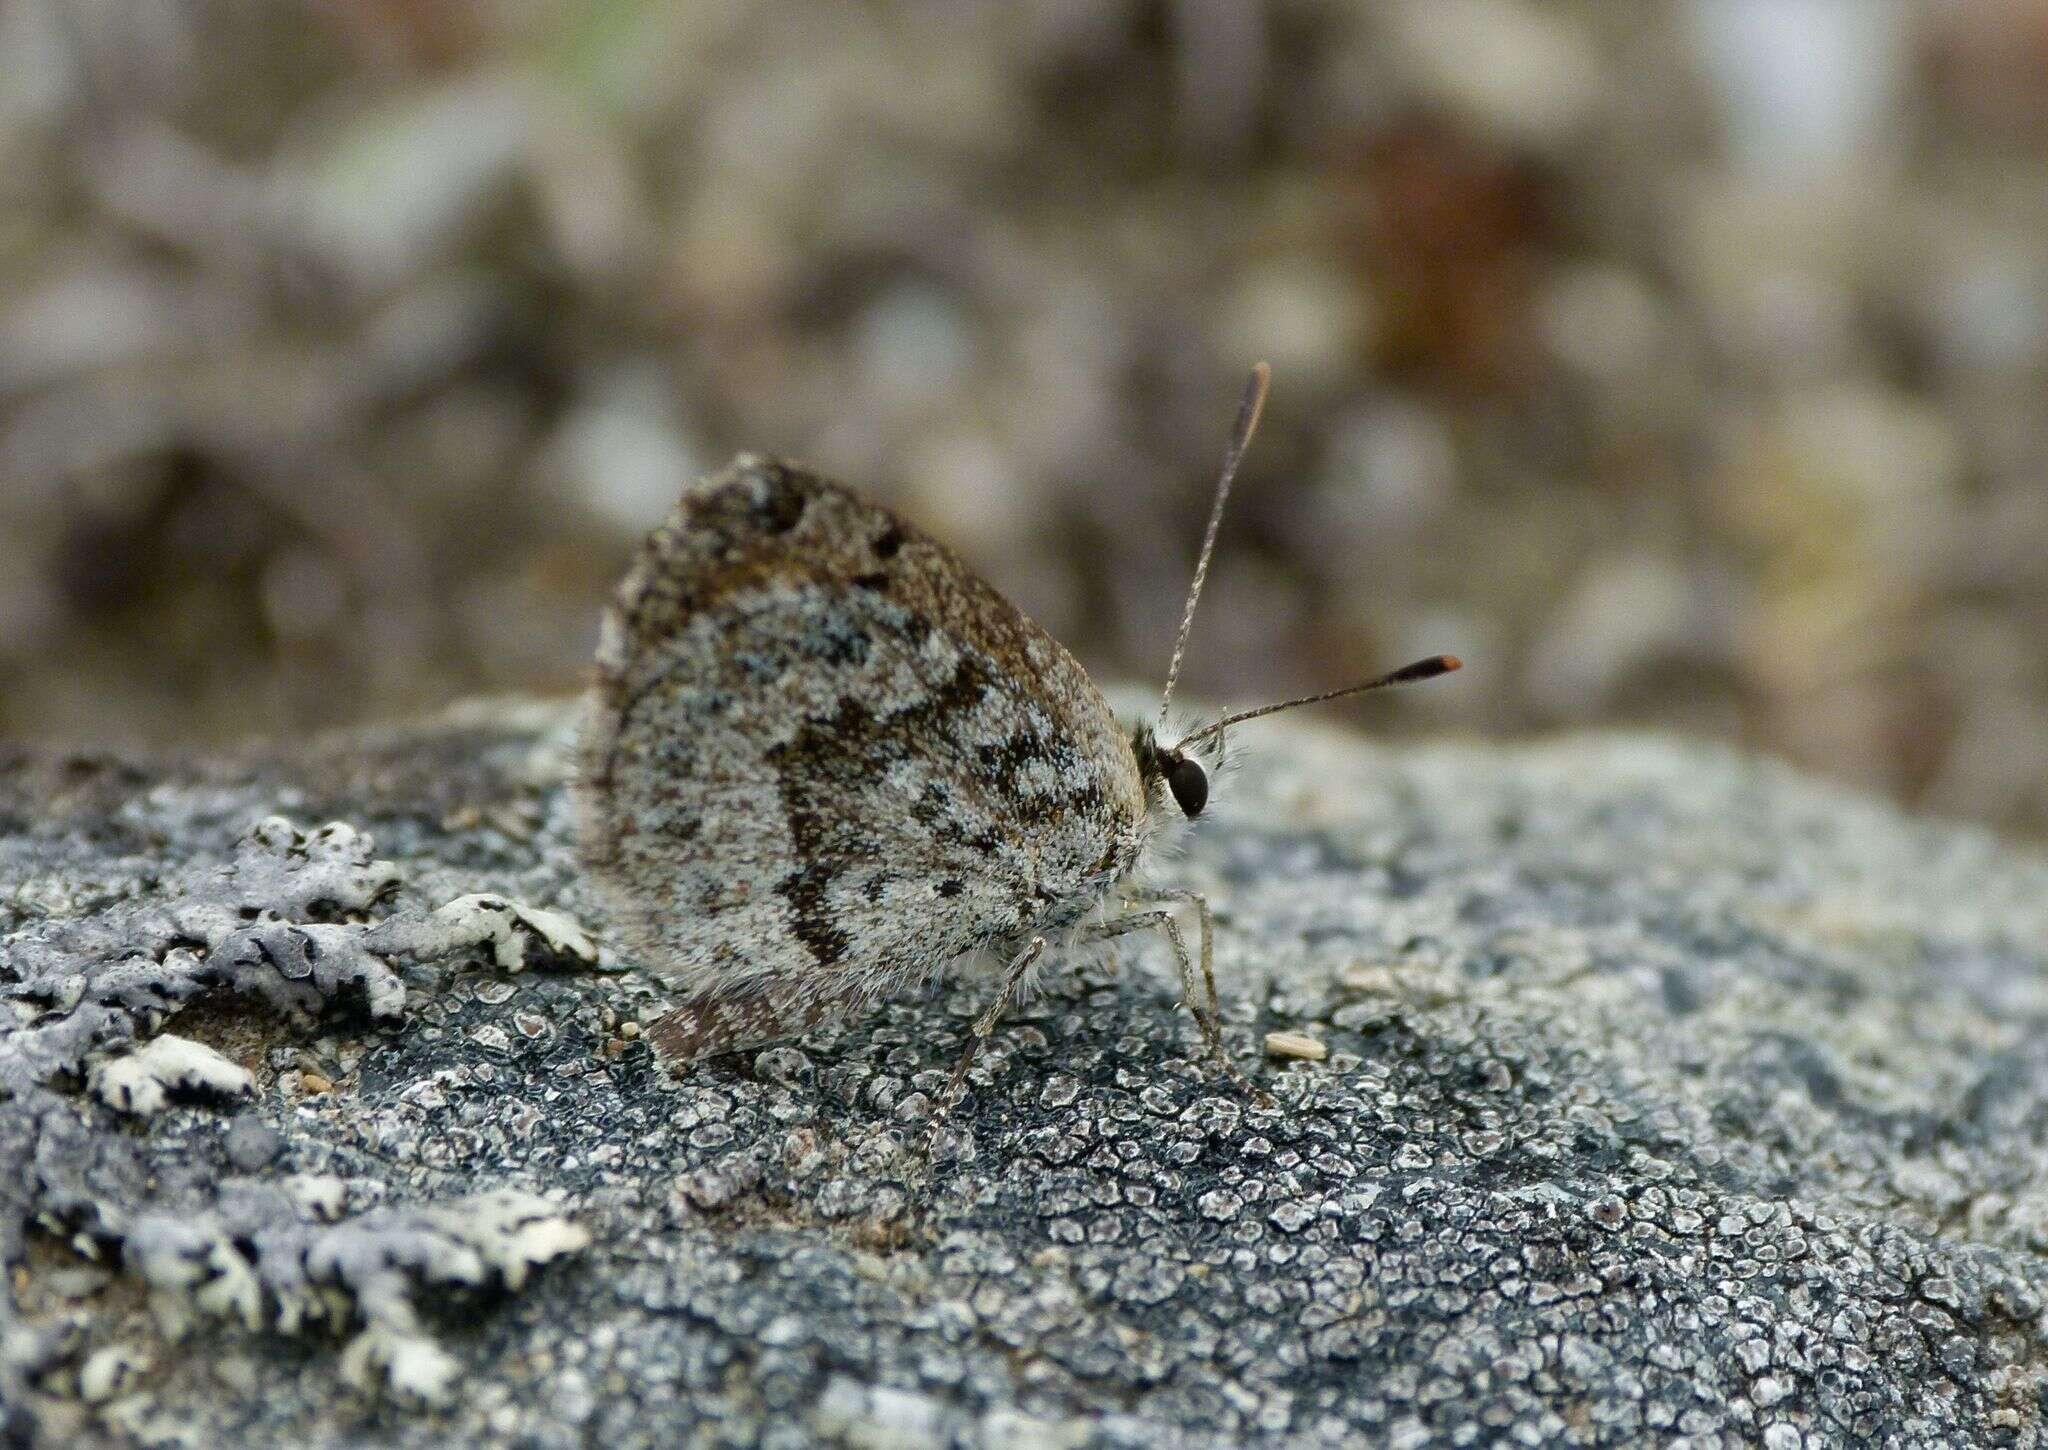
x=369, y=1269
x=516, y=933
x=142, y=1082
x=512, y=1233
x=192, y=1269
x=109, y=1371
x=321, y=1195
x=291, y=920
x=408, y=1366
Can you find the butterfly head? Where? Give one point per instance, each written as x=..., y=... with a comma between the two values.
x=1180, y=772
x=1186, y=768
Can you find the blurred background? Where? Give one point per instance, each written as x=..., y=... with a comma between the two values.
x=1679, y=362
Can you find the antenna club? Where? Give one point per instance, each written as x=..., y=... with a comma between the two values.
x=1424, y=669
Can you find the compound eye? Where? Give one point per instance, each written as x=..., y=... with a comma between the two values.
x=1189, y=784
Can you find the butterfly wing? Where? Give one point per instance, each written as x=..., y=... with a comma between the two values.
x=824, y=758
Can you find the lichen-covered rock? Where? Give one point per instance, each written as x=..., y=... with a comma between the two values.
x=287, y=920
x=1666, y=1097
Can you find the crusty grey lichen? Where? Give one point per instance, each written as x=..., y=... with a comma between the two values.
x=1669, y=1098
x=288, y=921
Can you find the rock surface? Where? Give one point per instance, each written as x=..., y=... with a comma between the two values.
x=1667, y=1097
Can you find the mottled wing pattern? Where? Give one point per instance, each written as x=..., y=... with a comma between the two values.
x=824, y=759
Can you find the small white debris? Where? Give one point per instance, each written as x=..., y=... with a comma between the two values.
x=1296, y=1044
x=142, y=1082
x=112, y=1371
x=1372, y=977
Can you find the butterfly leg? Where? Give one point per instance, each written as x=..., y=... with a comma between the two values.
x=1206, y=919
x=1205, y=1008
x=1013, y=977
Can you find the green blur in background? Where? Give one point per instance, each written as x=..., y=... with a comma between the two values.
x=1675, y=363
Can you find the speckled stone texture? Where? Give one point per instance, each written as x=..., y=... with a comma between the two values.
x=1670, y=1098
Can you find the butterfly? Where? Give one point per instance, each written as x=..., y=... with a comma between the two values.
x=824, y=760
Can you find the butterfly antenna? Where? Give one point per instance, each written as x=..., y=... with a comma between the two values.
x=1241, y=431
x=1427, y=669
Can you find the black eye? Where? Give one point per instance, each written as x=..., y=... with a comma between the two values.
x=1189, y=784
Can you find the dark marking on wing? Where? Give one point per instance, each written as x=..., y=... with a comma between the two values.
x=822, y=772
x=807, y=890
